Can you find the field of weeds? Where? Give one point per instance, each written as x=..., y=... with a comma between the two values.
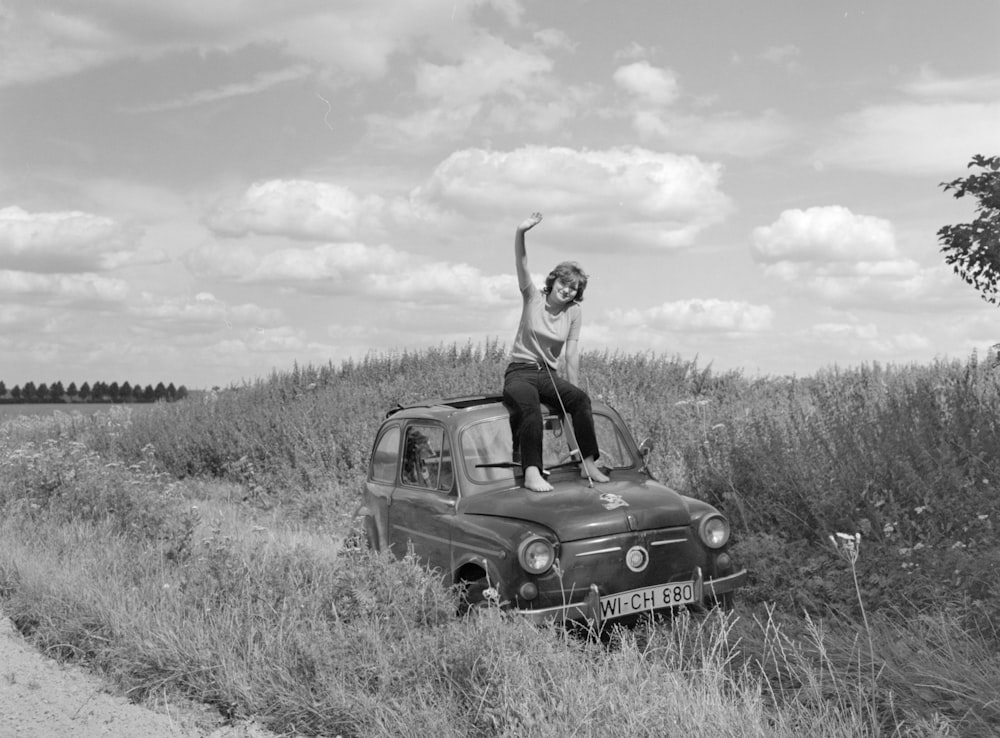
x=196, y=548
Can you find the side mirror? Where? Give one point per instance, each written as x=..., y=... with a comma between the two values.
x=646, y=447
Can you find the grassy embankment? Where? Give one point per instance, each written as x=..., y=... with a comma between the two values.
x=192, y=548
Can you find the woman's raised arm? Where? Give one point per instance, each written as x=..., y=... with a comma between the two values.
x=520, y=253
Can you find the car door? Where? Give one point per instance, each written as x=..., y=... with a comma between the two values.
x=383, y=475
x=423, y=502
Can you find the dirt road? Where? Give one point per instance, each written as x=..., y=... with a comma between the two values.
x=40, y=698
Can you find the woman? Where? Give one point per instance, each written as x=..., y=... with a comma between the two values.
x=550, y=324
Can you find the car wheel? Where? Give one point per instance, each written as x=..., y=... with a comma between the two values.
x=475, y=595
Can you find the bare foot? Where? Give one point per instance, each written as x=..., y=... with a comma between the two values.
x=534, y=480
x=591, y=470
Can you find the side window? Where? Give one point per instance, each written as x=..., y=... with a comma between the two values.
x=383, y=467
x=427, y=458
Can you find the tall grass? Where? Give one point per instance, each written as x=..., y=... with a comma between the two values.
x=196, y=547
x=265, y=621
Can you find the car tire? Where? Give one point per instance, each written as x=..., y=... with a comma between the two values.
x=472, y=595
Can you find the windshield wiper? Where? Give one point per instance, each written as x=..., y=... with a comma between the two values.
x=562, y=465
x=499, y=465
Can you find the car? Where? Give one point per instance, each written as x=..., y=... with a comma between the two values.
x=443, y=486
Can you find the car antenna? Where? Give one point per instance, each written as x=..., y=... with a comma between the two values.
x=572, y=435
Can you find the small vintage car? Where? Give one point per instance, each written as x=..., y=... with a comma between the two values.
x=442, y=484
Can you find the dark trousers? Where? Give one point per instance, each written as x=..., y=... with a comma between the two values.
x=525, y=387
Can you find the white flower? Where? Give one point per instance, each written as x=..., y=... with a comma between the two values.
x=847, y=545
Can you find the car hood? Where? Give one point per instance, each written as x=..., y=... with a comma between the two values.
x=574, y=510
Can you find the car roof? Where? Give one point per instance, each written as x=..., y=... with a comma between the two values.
x=442, y=408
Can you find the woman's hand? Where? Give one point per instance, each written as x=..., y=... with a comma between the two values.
x=520, y=252
x=528, y=223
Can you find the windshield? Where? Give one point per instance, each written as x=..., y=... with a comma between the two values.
x=487, y=447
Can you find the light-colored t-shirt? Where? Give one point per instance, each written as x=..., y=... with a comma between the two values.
x=540, y=336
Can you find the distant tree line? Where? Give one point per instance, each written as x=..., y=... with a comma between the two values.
x=96, y=392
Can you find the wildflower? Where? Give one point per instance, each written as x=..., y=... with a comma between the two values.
x=847, y=545
x=920, y=510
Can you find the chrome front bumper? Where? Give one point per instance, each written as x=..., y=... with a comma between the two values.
x=589, y=609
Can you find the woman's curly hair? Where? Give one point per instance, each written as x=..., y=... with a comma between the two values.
x=568, y=271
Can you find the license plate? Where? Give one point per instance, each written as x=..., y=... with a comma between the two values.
x=646, y=599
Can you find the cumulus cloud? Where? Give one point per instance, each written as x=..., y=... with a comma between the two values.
x=377, y=272
x=82, y=290
x=653, y=85
x=654, y=92
x=443, y=283
x=487, y=87
x=553, y=38
x=202, y=312
x=298, y=209
x=634, y=196
x=42, y=43
x=698, y=315
x=844, y=258
x=491, y=67
x=826, y=234
x=69, y=241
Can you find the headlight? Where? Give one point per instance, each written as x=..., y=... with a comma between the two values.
x=536, y=555
x=714, y=531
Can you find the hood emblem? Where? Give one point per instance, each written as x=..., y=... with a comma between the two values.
x=610, y=501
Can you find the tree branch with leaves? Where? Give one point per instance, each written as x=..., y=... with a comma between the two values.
x=973, y=249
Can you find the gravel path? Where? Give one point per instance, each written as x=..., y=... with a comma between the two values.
x=40, y=698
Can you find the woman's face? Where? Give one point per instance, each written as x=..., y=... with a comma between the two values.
x=563, y=291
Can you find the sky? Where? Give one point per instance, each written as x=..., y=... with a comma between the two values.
x=205, y=192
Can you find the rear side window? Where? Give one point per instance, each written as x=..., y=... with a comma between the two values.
x=385, y=457
x=427, y=458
